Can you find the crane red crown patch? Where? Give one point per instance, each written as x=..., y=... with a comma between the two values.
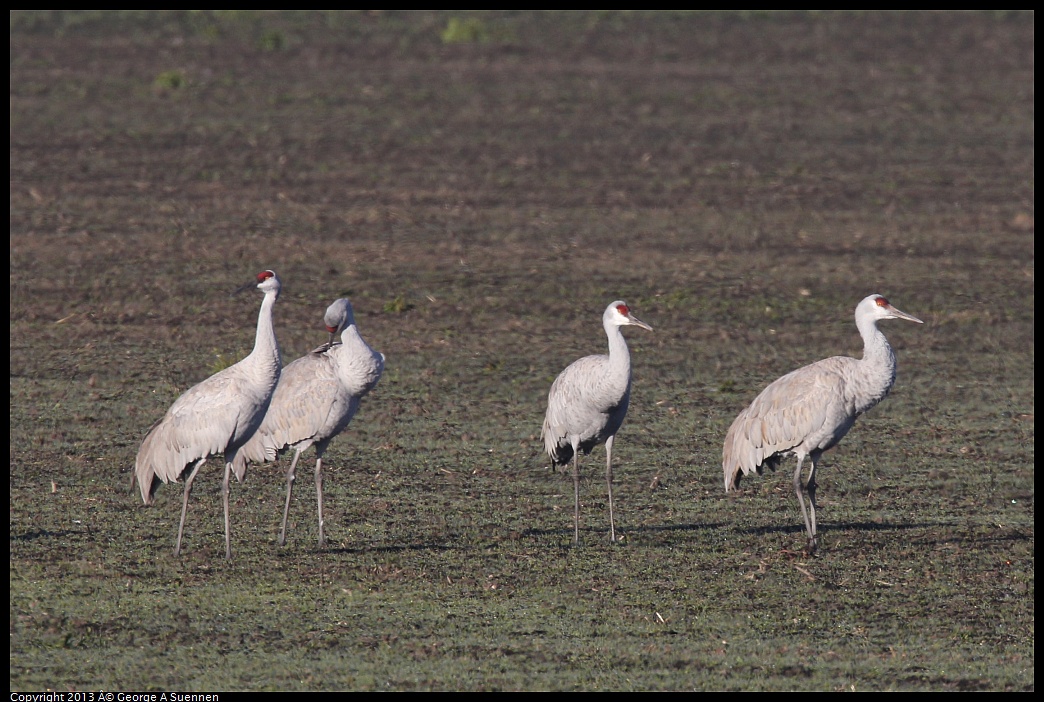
x=881, y=302
x=622, y=309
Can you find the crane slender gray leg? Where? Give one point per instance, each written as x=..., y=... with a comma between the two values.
x=609, y=482
x=319, y=493
x=224, y=499
x=289, y=488
x=801, y=500
x=576, y=496
x=184, y=502
x=811, y=490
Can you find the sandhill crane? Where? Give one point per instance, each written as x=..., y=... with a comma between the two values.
x=587, y=404
x=808, y=411
x=217, y=416
x=316, y=398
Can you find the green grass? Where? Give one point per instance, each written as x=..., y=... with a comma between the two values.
x=741, y=179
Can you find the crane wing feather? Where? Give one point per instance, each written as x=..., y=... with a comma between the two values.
x=795, y=412
x=317, y=396
x=301, y=403
x=586, y=402
x=204, y=421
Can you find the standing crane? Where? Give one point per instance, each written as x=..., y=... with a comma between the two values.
x=316, y=398
x=587, y=405
x=808, y=411
x=217, y=416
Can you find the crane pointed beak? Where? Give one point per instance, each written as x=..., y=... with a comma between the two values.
x=244, y=286
x=637, y=322
x=899, y=314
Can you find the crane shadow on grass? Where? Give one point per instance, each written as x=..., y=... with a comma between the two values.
x=592, y=535
x=836, y=527
x=34, y=534
x=933, y=533
x=402, y=548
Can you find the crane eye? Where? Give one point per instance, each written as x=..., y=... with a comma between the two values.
x=881, y=302
x=622, y=309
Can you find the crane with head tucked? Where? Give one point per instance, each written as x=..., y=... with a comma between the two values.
x=315, y=400
x=587, y=405
x=809, y=410
x=217, y=416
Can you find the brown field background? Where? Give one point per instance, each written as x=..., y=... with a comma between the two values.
x=481, y=185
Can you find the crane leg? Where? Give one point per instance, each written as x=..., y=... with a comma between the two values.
x=224, y=500
x=319, y=493
x=184, y=502
x=609, y=482
x=804, y=512
x=576, y=495
x=811, y=489
x=289, y=488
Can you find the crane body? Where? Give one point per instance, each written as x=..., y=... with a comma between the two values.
x=587, y=404
x=216, y=416
x=808, y=411
x=315, y=400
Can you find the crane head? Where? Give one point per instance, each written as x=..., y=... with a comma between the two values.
x=268, y=281
x=619, y=314
x=265, y=281
x=338, y=317
x=878, y=307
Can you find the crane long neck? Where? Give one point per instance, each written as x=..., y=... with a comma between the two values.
x=619, y=356
x=878, y=365
x=350, y=336
x=266, y=347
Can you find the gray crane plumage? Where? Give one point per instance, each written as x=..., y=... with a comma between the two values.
x=809, y=410
x=587, y=405
x=216, y=416
x=316, y=399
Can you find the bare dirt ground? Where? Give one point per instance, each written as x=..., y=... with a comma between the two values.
x=481, y=186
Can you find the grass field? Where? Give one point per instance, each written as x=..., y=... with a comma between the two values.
x=481, y=185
